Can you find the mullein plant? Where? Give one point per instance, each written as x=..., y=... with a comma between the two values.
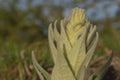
x=72, y=43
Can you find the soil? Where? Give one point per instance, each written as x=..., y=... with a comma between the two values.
x=111, y=74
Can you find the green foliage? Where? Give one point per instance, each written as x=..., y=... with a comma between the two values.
x=109, y=41
x=15, y=60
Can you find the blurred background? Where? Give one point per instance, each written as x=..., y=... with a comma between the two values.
x=24, y=25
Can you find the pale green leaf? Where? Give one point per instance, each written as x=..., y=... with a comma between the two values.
x=85, y=64
x=62, y=68
x=51, y=43
x=41, y=72
x=100, y=74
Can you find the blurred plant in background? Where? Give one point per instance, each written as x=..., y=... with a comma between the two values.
x=24, y=24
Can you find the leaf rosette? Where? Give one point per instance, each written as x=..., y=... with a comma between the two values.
x=72, y=43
